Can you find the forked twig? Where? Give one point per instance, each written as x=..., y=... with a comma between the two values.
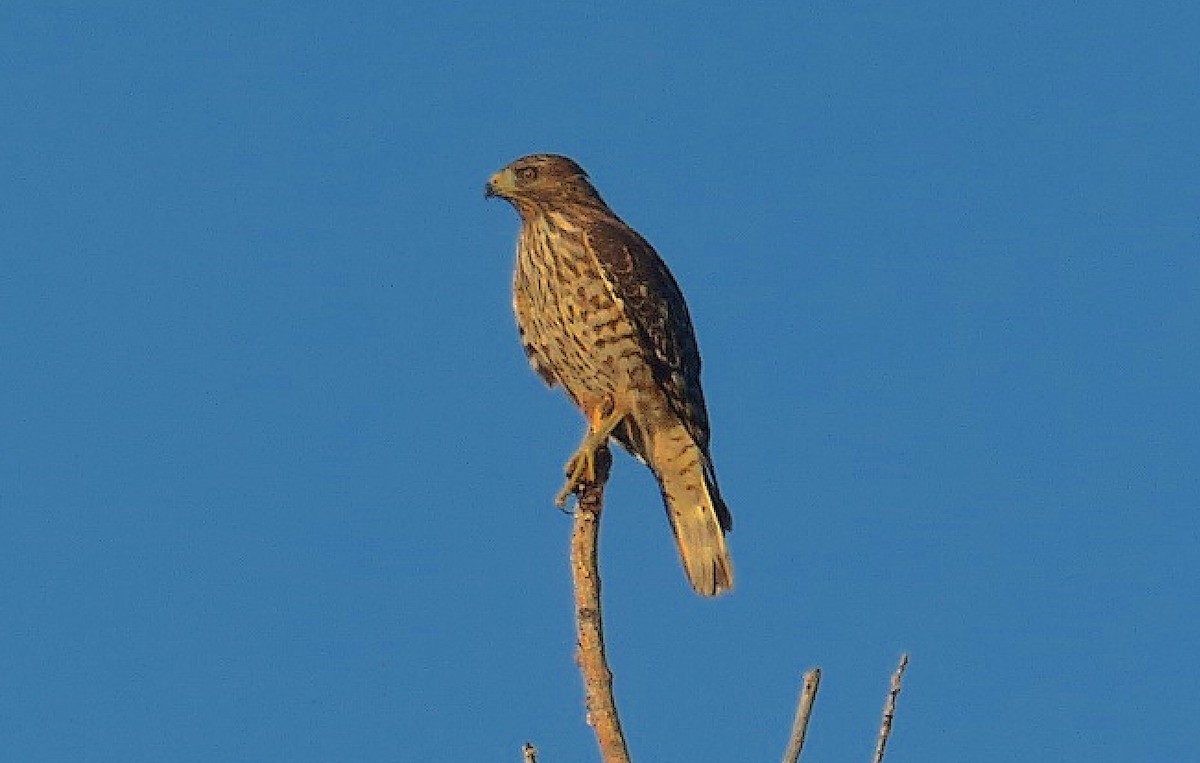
x=593, y=663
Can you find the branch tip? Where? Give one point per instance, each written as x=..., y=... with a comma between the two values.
x=889, y=709
x=808, y=696
x=601, y=707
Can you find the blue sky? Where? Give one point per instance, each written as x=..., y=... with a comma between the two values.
x=275, y=478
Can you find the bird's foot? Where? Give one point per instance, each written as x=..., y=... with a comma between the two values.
x=581, y=471
x=581, y=468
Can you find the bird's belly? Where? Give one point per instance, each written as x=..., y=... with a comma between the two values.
x=581, y=333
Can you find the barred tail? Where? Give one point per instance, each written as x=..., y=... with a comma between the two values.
x=698, y=516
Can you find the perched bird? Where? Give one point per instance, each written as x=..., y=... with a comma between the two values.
x=600, y=314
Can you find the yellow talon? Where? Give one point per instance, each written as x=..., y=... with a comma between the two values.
x=580, y=471
x=581, y=468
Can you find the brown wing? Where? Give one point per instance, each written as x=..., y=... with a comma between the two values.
x=655, y=304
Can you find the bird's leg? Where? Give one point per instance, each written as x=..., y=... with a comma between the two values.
x=581, y=468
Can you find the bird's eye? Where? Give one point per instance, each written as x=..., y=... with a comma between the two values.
x=527, y=173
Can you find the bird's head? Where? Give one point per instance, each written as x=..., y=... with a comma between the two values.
x=540, y=181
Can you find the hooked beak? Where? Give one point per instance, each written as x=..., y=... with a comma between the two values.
x=498, y=185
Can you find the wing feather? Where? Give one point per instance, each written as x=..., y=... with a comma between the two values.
x=655, y=304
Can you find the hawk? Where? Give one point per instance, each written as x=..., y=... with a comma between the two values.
x=600, y=314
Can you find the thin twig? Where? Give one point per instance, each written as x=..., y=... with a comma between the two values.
x=530, y=752
x=812, y=681
x=585, y=570
x=889, y=709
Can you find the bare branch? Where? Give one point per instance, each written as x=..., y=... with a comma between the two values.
x=889, y=709
x=593, y=664
x=530, y=752
x=812, y=681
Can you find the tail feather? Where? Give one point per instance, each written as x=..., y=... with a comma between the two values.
x=699, y=518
